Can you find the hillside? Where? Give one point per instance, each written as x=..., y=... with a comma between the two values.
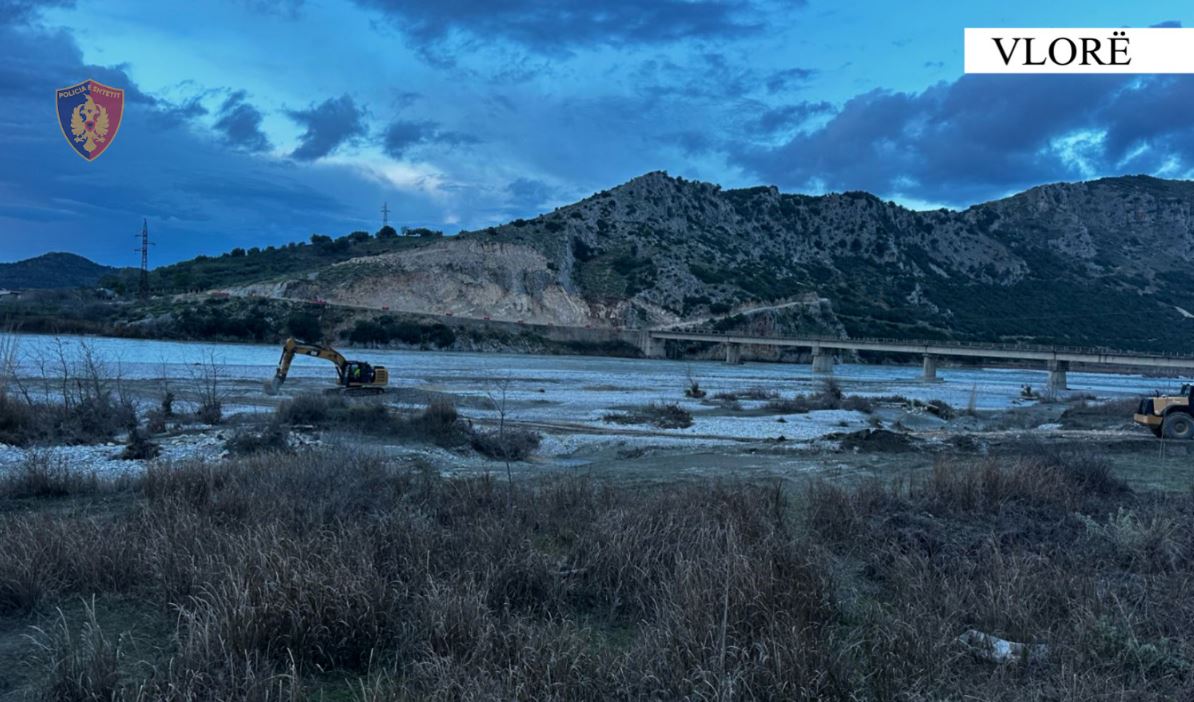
x=53, y=270
x=1101, y=263
x=239, y=266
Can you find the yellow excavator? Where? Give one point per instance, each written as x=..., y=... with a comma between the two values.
x=354, y=377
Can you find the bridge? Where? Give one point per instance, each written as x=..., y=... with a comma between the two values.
x=1056, y=358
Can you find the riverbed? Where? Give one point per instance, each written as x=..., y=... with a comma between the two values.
x=566, y=397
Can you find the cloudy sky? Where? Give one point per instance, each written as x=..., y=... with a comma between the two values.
x=255, y=122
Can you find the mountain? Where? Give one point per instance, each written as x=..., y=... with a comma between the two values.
x=53, y=270
x=1100, y=263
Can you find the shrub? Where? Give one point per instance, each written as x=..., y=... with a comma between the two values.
x=17, y=421
x=752, y=393
x=311, y=408
x=270, y=439
x=508, y=444
x=304, y=326
x=830, y=397
x=139, y=447
x=439, y=423
x=210, y=411
x=664, y=416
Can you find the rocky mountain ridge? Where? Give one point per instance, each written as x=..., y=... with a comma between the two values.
x=1100, y=263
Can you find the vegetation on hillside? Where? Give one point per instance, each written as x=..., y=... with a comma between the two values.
x=53, y=270
x=243, y=266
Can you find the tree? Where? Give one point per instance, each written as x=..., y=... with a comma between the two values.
x=320, y=240
x=367, y=331
x=387, y=232
x=237, y=252
x=182, y=279
x=359, y=237
x=304, y=326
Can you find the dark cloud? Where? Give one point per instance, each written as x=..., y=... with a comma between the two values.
x=240, y=124
x=789, y=79
x=786, y=117
x=982, y=136
x=22, y=11
x=711, y=76
x=565, y=24
x=402, y=135
x=34, y=63
x=329, y=124
x=172, y=115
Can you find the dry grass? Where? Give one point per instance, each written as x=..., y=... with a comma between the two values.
x=43, y=475
x=92, y=419
x=752, y=393
x=334, y=575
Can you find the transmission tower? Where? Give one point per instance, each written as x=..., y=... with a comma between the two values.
x=385, y=214
x=143, y=290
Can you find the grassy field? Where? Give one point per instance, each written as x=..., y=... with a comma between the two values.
x=339, y=575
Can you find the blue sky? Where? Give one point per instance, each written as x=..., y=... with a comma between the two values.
x=256, y=122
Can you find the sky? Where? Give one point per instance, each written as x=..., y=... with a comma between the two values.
x=259, y=122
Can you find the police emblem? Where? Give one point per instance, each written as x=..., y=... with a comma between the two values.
x=89, y=114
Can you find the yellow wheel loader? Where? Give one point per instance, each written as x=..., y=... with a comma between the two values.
x=353, y=377
x=1168, y=416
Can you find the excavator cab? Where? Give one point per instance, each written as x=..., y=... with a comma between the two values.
x=358, y=373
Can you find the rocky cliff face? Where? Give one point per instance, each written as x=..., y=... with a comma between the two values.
x=1099, y=263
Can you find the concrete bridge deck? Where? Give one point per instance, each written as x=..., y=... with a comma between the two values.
x=1057, y=358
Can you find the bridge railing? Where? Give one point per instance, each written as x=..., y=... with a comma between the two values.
x=974, y=345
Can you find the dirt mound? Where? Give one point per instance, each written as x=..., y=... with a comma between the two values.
x=875, y=440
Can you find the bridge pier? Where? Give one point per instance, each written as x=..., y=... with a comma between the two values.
x=734, y=354
x=1057, y=375
x=650, y=346
x=822, y=361
x=930, y=368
